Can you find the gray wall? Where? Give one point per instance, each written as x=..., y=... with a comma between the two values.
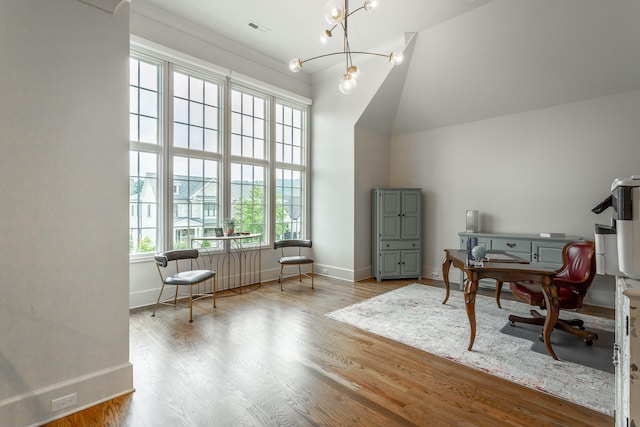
x=63, y=215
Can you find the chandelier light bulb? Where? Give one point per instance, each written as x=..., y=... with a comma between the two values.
x=354, y=72
x=334, y=12
x=396, y=58
x=324, y=38
x=295, y=65
x=370, y=5
x=347, y=84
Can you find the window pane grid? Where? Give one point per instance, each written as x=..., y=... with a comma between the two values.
x=196, y=113
x=195, y=199
x=143, y=101
x=248, y=113
x=248, y=201
x=194, y=150
x=143, y=202
x=289, y=135
x=289, y=204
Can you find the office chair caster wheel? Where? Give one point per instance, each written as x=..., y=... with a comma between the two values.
x=541, y=337
x=512, y=323
x=588, y=342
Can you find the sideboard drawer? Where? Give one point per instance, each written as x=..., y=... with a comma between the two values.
x=399, y=244
x=511, y=245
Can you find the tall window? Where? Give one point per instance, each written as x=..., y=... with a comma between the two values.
x=196, y=162
x=290, y=172
x=248, y=164
x=144, y=115
x=189, y=171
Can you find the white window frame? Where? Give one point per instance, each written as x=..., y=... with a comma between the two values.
x=170, y=61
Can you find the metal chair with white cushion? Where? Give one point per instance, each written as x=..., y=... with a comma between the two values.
x=190, y=278
x=292, y=260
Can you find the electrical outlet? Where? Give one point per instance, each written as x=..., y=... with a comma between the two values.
x=64, y=402
x=325, y=271
x=435, y=275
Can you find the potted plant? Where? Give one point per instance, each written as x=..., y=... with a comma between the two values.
x=229, y=226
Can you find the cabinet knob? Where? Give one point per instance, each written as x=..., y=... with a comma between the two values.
x=511, y=245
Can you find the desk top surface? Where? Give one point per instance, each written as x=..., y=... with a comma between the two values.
x=516, y=264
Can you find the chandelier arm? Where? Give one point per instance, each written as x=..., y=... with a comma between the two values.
x=354, y=11
x=302, y=61
x=322, y=56
x=371, y=53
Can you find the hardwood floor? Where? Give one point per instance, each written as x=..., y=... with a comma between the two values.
x=271, y=358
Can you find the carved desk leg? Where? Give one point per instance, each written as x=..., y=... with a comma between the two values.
x=470, y=290
x=498, y=292
x=446, y=265
x=551, y=300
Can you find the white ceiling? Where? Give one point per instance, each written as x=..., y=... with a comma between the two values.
x=473, y=59
x=295, y=26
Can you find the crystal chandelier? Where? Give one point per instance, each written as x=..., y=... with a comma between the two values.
x=337, y=14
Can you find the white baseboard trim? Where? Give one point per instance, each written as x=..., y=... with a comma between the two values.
x=34, y=408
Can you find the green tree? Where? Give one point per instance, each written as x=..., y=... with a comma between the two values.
x=146, y=245
x=250, y=211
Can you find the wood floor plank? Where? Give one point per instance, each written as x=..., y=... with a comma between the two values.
x=272, y=358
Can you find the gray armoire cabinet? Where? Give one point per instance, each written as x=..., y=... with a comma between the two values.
x=396, y=239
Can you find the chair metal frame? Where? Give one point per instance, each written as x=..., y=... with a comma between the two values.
x=293, y=260
x=191, y=277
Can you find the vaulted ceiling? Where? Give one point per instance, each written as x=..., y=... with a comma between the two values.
x=473, y=59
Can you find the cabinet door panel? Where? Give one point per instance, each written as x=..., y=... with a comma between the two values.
x=410, y=227
x=390, y=263
x=390, y=227
x=548, y=254
x=411, y=203
x=390, y=204
x=411, y=214
x=411, y=263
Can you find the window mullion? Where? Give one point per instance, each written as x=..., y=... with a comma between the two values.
x=166, y=193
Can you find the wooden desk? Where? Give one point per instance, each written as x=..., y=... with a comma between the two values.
x=502, y=272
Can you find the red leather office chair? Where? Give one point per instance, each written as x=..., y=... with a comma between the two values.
x=572, y=280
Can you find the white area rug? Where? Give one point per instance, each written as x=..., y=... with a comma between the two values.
x=414, y=315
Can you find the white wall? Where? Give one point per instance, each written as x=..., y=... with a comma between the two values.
x=334, y=118
x=537, y=171
x=372, y=170
x=63, y=217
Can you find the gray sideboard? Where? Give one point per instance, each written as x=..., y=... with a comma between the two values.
x=543, y=251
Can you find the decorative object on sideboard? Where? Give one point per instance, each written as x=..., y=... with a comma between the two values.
x=478, y=252
x=472, y=221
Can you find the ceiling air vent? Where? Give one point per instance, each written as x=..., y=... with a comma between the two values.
x=258, y=27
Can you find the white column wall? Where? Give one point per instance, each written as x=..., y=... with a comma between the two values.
x=64, y=282
x=334, y=184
